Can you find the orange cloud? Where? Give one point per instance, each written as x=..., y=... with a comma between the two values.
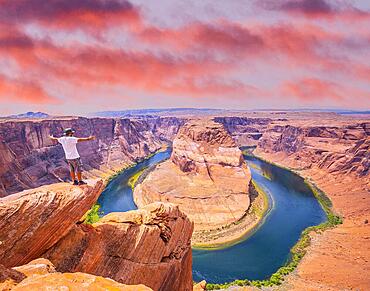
x=21, y=91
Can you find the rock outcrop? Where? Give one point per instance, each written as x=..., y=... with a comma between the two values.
x=29, y=159
x=40, y=274
x=34, y=220
x=149, y=246
x=206, y=176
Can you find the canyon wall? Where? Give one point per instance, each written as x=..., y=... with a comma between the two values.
x=245, y=131
x=206, y=176
x=28, y=158
x=149, y=246
x=337, y=149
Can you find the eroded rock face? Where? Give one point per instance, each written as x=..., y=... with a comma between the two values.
x=199, y=144
x=206, y=176
x=29, y=159
x=40, y=274
x=149, y=246
x=332, y=148
x=32, y=221
x=245, y=131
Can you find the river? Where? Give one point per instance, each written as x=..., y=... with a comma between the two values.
x=258, y=255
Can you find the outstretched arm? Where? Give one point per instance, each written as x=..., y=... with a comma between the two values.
x=91, y=137
x=53, y=138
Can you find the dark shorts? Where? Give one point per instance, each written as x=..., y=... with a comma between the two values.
x=75, y=165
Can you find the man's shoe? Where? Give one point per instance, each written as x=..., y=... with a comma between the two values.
x=82, y=183
x=75, y=182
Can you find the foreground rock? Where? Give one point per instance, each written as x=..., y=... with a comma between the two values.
x=149, y=246
x=32, y=221
x=206, y=176
x=40, y=274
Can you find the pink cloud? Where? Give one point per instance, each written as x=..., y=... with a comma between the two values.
x=23, y=91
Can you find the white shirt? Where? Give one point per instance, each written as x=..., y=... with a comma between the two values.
x=69, y=146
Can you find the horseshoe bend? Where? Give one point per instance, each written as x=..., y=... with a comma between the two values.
x=206, y=191
x=209, y=180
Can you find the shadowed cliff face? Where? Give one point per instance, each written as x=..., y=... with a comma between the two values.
x=244, y=130
x=28, y=158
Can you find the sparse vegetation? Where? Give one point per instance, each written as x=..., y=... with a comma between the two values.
x=257, y=208
x=120, y=172
x=92, y=215
x=133, y=179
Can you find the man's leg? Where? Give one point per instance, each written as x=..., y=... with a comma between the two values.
x=72, y=169
x=73, y=176
x=79, y=176
x=79, y=173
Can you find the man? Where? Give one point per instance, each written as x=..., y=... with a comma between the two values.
x=69, y=142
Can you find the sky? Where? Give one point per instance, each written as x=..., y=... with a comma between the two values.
x=74, y=57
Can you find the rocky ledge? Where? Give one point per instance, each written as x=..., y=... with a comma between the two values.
x=149, y=246
x=41, y=275
x=206, y=176
x=32, y=221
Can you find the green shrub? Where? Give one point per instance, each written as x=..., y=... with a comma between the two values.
x=93, y=215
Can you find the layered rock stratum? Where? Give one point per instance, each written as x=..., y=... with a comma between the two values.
x=149, y=246
x=29, y=159
x=206, y=176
